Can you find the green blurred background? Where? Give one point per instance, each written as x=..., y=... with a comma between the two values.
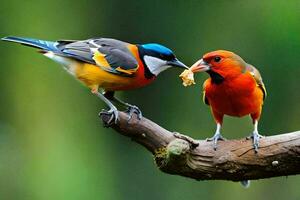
x=52, y=143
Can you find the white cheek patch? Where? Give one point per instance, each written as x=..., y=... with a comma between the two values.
x=155, y=65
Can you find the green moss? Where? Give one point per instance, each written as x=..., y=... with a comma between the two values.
x=161, y=157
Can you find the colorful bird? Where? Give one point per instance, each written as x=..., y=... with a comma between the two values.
x=109, y=64
x=235, y=88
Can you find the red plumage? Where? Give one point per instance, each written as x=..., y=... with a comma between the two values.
x=235, y=88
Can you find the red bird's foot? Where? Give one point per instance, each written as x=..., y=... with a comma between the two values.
x=215, y=139
x=114, y=116
x=256, y=137
x=133, y=109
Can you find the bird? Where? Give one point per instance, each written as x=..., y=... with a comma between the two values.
x=107, y=64
x=234, y=88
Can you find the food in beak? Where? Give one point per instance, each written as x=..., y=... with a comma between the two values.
x=187, y=77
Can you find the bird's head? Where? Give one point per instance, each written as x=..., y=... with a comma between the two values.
x=158, y=58
x=220, y=64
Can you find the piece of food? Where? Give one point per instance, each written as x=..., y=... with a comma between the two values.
x=187, y=77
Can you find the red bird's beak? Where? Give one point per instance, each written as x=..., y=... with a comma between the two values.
x=200, y=66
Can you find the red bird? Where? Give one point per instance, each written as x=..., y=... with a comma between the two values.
x=235, y=88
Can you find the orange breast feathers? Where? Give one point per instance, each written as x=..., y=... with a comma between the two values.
x=239, y=96
x=95, y=77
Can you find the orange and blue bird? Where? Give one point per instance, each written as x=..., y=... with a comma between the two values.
x=235, y=88
x=108, y=64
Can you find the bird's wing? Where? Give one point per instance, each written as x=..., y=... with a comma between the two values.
x=256, y=75
x=109, y=54
x=205, y=100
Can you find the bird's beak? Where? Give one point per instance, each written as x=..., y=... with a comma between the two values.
x=177, y=63
x=200, y=66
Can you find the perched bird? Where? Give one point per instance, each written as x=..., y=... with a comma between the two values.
x=235, y=88
x=109, y=64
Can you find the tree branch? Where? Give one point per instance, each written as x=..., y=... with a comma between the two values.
x=234, y=160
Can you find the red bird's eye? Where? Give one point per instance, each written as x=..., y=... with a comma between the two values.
x=217, y=59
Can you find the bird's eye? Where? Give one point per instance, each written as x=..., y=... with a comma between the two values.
x=217, y=59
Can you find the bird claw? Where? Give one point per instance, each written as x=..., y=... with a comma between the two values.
x=133, y=109
x=215, y=139
x=114, y=116
x=255, y=136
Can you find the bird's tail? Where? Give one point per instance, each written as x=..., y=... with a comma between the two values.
x=40, y=44
x=245, y=183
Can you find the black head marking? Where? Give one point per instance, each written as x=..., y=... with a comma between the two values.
x=215, y=77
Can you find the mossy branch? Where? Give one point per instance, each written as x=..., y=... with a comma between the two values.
x=234, y=160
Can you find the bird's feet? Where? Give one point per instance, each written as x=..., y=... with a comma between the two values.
x=131, y=109
x=114, y=116
x=215, y=139
x=256, y=137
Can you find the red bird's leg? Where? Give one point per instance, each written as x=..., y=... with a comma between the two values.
x=217, y=136
x=255, y=135
x=113, y=111
x=131, y=109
